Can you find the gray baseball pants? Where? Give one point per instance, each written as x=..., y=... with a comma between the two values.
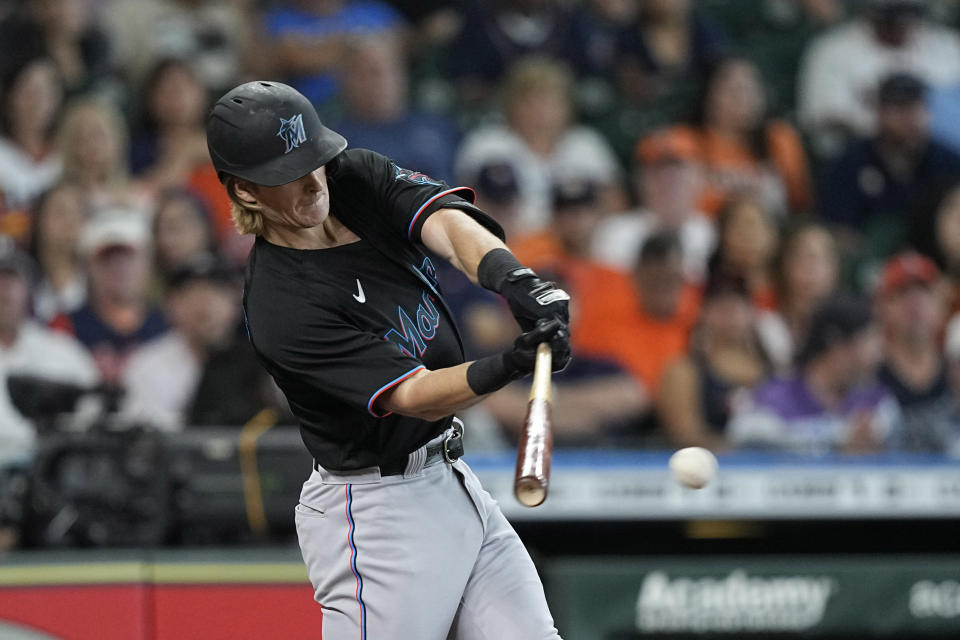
x=426, y=555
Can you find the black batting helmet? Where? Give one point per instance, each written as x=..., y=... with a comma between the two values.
x=268, y=133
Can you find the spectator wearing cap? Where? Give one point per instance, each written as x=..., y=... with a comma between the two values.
x=202, y=372
x=29, y=349
x=910, y=308
x=842, y=68
x=543, y=143
x=116, y=317
x=498, y=193
x=833, y=402
x=668, y=177
x=726, y=359
x=576, y=211
x=871, y=187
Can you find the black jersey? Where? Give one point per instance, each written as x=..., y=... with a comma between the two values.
x=338, y=327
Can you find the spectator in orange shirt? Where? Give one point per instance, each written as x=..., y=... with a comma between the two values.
x=564, y=251
x=644, y=326
x=600, y=400
x=743, y=149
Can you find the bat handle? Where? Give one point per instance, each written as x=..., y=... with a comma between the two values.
x=540, y=389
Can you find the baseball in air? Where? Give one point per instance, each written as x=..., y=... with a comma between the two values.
x=693, y=467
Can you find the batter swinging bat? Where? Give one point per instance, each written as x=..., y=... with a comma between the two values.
x=536, y=439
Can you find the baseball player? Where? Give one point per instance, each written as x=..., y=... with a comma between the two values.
x=343, y=309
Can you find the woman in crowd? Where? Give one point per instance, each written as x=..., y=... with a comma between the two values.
x=725, y=358
x=746, y=245
x=542, y=142
x=29, y=105
x=743, y=149
x=170, y=143
x=170, y=149
x=806, y=272
x=182, y=232
x=93, y=141
x=669, y=45
x=57, y=222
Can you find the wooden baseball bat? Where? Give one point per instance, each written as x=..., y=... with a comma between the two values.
x=536, y=439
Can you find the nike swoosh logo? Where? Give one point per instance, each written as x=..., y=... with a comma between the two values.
x=359, y=295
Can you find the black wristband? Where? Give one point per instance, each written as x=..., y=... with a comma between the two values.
x=496, y=266
x=489, y=374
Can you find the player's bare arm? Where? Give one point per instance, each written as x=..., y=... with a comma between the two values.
x=455, y=236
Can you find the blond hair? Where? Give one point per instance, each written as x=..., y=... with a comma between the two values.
x=247, y=217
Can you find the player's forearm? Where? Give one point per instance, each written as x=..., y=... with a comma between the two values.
x=431, y=395
x=460, y=239
x=435, y=394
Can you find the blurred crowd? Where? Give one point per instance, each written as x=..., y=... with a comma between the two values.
x=755, y=204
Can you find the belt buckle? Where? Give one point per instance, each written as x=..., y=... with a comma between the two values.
x=453, y=446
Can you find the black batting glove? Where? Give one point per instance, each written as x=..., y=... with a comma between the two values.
x=520, y=360
x=494, y=372
x=530, y=298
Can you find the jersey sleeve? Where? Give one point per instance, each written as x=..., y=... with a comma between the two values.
x=404, y=198
x=337, y=360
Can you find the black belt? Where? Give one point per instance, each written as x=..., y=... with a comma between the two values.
x=450, y=449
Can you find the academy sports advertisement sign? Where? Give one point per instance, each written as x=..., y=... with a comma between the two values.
x=240, y=595
x=788, y=596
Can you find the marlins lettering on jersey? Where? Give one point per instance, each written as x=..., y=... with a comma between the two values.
x=413, y=336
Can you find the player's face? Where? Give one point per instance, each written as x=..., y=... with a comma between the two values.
x=301, y=204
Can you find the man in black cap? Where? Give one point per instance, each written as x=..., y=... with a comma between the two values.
x=886, y=174
x=343, y=309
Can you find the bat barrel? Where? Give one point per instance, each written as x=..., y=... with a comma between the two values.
x=536, y=440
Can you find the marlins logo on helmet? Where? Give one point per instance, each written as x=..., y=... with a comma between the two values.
x=292, y=132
